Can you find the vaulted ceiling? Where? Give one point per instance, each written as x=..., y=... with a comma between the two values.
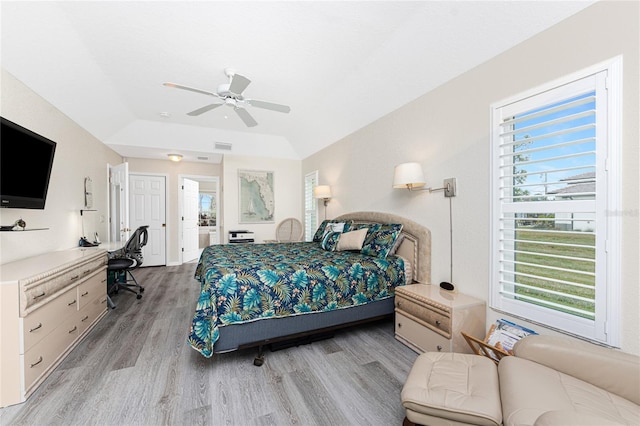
x=338, y=65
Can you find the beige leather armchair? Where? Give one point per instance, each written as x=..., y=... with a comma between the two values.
x=562, y=381
x=550, y=381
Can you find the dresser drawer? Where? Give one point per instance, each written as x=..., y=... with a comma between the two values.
x=43, y=354
x=91, y=311
x=433, y=316
x=92, y=288
x=39, y=290
x=45, y=319
x=416, y=335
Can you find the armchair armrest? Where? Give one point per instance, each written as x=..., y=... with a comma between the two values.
x=609, y=369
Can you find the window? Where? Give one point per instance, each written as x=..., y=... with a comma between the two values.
x=207, y=209
x=554, y=245
x=310, y=206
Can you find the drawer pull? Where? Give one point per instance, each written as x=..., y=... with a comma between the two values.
x=36, y=327
x=103, y=301
x=104, y=280
x=87, y=271
x=72, y=302
x=399, y=303
x=38, y=296
x=439, y=348
x=75, y=277
x=438, y=322
x=36, y=363
x=85, y=318
x=84, y=294
x=399, y=325
x=73, y=329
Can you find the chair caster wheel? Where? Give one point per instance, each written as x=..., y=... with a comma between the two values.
x=258, y=361
x=138, y=296
x=141, y=290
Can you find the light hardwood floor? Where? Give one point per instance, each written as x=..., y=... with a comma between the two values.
x=136, y=368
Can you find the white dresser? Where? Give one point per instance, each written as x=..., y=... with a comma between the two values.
x=47, y=304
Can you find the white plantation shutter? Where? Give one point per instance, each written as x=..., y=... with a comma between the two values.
x=550, y=198
x=310, y=206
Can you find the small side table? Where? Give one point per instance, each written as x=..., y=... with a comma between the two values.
x=430, y=319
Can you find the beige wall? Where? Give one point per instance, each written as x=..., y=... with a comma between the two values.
x=448, y=130
x=287, y=188
x=78, y=155
x=173, y=171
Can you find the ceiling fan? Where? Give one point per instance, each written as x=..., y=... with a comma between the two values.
x=231, y=95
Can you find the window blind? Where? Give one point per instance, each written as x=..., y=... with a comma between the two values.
x=310, y=205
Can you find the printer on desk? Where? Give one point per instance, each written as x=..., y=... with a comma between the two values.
x=239, y=237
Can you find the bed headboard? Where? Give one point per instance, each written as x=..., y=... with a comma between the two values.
x=416, y=245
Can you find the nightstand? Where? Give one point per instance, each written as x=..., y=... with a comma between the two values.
x=430, y=319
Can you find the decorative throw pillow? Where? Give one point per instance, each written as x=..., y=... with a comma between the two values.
x=372, y=228
x=352, y=240
x=317, y=237
x=380, y=242
x=333, y=227
x=330, y=240
x=396, y=245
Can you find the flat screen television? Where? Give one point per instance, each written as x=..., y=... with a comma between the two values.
x=26, y=160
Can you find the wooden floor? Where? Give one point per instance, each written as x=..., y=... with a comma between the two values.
x=136, y=368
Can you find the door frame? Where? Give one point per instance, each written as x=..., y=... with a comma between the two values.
x=199, y=178
x=111, y=226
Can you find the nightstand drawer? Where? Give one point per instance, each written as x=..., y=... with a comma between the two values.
x=420, y=338
x=435, y=318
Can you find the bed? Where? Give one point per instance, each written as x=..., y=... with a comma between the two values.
x=257, y=294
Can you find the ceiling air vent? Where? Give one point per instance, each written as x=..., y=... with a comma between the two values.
x=203, y=158
x=223, y=146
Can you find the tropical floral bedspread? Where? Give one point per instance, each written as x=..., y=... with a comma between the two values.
x=248, y=282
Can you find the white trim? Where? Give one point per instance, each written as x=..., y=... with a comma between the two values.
x=613, y=168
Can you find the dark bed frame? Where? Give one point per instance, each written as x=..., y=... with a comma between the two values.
x=415, y=246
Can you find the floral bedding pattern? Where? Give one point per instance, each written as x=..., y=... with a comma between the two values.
x=248, y=282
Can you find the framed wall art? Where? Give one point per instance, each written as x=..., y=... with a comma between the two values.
x=257, y=201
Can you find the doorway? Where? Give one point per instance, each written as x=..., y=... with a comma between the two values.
x=199, y=206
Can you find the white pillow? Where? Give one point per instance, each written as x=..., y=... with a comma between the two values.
x=352, y=240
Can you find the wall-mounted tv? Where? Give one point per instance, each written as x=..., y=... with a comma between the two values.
x=26, y=159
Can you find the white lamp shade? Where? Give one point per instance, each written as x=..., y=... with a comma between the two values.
x=408, y=175
x=322, y=191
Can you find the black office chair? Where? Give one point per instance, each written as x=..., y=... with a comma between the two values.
x=122, y=261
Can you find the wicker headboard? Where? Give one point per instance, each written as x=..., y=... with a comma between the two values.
x=416, y=245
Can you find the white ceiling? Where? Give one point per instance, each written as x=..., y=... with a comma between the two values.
x=338, y=65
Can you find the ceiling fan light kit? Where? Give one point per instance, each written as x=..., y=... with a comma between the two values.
x=231, y=95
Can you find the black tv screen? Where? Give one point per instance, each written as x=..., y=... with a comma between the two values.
x=26, y=159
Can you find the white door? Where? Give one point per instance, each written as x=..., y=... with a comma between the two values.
x=119, y=203
x=190, y=193
x=147, y=206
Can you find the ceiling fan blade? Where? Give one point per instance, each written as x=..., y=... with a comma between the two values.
x=238, y=84
x=268, y=105
x=246, y=117
x=191, y=89
x=203, y=109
